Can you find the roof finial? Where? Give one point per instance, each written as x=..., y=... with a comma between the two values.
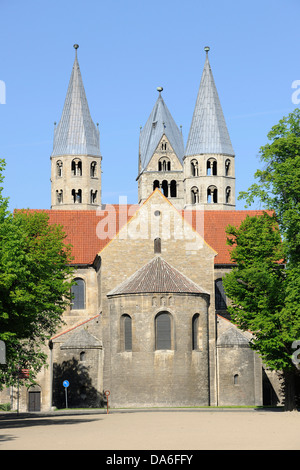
x=206, y=49
x=160, y=89
x=76, y=47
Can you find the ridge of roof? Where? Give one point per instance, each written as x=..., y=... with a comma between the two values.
x=76, y=133
x=208, y=133
x=160, y=122
x=157, y=276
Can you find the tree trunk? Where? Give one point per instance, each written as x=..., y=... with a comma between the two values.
x=290, y=401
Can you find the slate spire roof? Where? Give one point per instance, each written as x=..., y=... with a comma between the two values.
x=160, y=122
x=76, y=133
x=157, y=276
x=208, y=132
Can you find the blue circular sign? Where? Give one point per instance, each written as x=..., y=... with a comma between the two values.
x=66, y=383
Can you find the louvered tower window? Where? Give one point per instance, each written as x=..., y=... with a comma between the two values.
x=163, y=331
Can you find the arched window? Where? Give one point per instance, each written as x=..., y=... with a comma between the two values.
x=227, y=167
x=196, y=331
x=212, y=195
x=59, y=168
x=194, y=168
x=126, y=331
x=76, y=167
x=164, y=164
x=163, y=331
x=211, y=167
x=77, y=196
x=165, y=188
x=236, y=379
x=78, y=294
x=93, y=169
x=59, y=196
x=157, y=245
x=155, y=184
x=228, y=195
x=195, y=195
x=173, y=189
x=82, y=356
x=220, y=296
x=93, y=196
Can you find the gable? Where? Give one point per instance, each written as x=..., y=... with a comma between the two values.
x=159, y=154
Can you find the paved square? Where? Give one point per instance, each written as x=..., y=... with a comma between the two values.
x=153, y=430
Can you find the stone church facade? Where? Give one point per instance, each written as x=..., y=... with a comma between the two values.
x=148, y=323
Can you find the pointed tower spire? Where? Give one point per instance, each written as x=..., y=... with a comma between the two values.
x=209, y=156
x=76, y=134
x=76, y=158
x=161, y=152
x=208, y=132
x=159, y=123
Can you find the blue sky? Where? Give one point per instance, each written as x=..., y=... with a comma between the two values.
x=127, y=49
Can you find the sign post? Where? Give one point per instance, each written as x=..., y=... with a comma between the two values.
x=66, y=384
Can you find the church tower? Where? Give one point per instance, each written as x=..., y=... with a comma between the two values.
x=76, y=157
x=161, y=151
x=209, y=156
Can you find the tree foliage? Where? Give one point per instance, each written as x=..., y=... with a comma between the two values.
x=35, y=281
x=266, y=297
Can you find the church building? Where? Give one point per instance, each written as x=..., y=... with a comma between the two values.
x=148, y=325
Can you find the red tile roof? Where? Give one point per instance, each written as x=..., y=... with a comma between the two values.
x=90, y=231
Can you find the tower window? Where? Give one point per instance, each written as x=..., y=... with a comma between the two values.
x=77, y=196
x=155, y=184
x=59, y=168
x=78, y=294
x=163, y=331
x=164, y=146
x=211, y=167
x=93, y=196
x=164, y=164
x=212, y=195
x=93, y=169
x=195, y=195
x=228, y=195
x=76, y=167
x=236, y=379
x=59, y=196
x=227, y=168
x=173, y=189
x=194, y=168
x=157, y=245
x=165, y=188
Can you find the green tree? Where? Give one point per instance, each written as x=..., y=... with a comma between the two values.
x=274, y=314
x=35, y=282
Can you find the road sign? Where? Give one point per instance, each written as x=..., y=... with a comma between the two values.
x=66, y=383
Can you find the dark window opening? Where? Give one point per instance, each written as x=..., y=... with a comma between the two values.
x=78, y=295
x=173, y=188
x=163, y=331
x=220, y=296
x=157, y=245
